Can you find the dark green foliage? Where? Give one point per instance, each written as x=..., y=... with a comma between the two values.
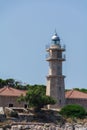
x=10, y=82
x=16, y=84
x=14, y=114
x=13, y=83
x=2, y=83
x=77, y=89
x=35, y=97
x=73, y=110
x=21, y=98
x=81, y=90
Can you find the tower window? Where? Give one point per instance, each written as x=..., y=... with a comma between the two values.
x=59, y=54
x=60, y=101
x=60, y=88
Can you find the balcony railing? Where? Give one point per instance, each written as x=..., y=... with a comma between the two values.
x=49, y=57
x=62, y=47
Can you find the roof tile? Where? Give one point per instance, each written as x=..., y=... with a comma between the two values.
x=75, y=94
x=9, y=91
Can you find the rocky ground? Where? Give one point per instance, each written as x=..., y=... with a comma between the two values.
x=44, y=126
x=43, y=120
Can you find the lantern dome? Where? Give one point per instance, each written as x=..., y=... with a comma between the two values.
x=55, y=37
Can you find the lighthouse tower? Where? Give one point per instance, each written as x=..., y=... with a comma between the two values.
x=55, y=79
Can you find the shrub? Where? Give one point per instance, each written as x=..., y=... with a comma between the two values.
x=73, y=110
x=13, y=114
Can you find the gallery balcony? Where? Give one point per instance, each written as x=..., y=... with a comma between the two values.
x=56, y=47
x=50, y=58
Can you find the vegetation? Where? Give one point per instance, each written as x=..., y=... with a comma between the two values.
x=19, y=85
x=13, y=83
x=16, y=84
x=81, y=89
x=73, y=110
x=13, y=114
x=35, y=97
x=84, y=90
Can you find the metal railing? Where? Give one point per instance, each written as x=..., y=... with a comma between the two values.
x=61, y=46
x=48, y=56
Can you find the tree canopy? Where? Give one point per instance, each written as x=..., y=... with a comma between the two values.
x=36, y=97
x=84, y=90
x=81, y=89
x=73, y=110
x=16, y=84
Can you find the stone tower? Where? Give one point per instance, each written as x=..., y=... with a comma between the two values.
x=55, y=80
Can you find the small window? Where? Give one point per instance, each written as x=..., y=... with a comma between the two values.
x=60, y=88
x=60, y=101
x=25, y=106
x=10, y=105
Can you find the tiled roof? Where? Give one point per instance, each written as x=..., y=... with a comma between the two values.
x=9, y=91
x=75, y=94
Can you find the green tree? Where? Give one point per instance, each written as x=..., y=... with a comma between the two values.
x=10, y=82
x=81, y=89
x=13, y=83
x=2, y=83
x=35, y=97
x=73, y=110
x=77, y=89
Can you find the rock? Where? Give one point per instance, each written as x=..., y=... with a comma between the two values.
x=46, y=126
x=2, y=114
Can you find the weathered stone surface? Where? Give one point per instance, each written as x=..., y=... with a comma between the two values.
x=55, y=79
x=46, y=126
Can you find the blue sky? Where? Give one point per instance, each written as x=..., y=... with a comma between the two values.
x=26, y=27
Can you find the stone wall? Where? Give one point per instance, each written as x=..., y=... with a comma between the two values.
x=45, y=126
x=5, y=101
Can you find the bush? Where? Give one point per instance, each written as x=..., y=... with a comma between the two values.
x=73, y=111
x=13, y=114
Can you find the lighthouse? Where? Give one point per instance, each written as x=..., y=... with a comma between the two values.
x=55, y=79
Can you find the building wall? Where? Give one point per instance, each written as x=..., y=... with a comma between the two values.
x=6, y=100
x=82, y=102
